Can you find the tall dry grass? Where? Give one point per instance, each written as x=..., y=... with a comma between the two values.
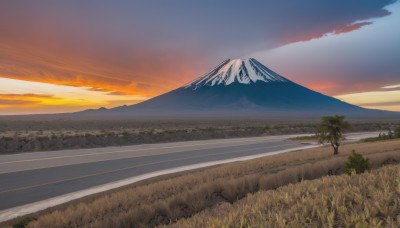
x=170, y=200
x=366, y=200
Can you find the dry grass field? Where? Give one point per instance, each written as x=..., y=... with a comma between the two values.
x=24, y=136
x=366, y=200
x=44, y=135
x=170, y=200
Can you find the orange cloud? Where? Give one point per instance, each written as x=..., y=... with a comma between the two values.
x=121, y=50
x=349, y=28
x=24, y=100
x=43, y=103
x=36, y=66
x=321, y=86
x=12, y=103
x=25, y=95
x=16, y=98
x=303, y=37
x=324, y=32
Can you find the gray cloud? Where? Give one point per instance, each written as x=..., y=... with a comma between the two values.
x=156, y=42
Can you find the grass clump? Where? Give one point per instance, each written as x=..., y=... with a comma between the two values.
x=356, y=163
x=24, y=222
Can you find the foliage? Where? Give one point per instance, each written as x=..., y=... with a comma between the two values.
x=382, y=136
x=397, y=132
x=331, y=129
x=23, y=223
x=356, y=163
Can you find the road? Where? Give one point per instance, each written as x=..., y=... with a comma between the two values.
x=27, y=178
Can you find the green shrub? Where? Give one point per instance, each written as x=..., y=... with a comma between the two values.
x=24, y=222
x=382, y=136
x=356, y=163
x=397, y=132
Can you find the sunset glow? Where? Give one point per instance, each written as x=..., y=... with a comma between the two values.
x=384, y=100
x=18, y=97
x=103, y=56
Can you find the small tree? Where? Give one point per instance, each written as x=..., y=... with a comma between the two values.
x=397, y=132
x=331, y=129
x=390, y=134
x=356, y=163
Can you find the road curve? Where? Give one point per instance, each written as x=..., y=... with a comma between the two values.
x=35, y=181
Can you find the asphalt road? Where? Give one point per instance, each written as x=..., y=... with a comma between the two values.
x=31, y=177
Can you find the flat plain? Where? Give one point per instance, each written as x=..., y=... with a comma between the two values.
x=45, y=134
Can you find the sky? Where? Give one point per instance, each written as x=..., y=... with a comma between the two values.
x=66, y=56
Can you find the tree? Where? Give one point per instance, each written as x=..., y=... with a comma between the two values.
x=397, y=132
x=331, y=129
x=356, y=163
x=390, y=134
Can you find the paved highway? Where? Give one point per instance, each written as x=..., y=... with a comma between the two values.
x=31, y=177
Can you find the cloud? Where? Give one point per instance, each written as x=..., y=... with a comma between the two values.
x=23, y=100
x=349, y=28
x=320, y=86
x=337, y=29
x=117, y=93
x=318, y=34
x=391, y=87
x=388, y=100
x=26, y=95
x=122, y=49
x=392, y=103
x=19, y=96
x=50, y=68
x=362, y=60
x=151, y=47
x=64, y=70
x=13, y=103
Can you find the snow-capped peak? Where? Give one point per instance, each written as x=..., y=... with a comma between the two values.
x=245, y=71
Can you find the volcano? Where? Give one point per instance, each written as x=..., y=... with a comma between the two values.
x=242, y=86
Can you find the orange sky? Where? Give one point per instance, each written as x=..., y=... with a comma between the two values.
x=62, y=58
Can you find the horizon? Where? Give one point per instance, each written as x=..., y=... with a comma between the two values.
x=109, y=55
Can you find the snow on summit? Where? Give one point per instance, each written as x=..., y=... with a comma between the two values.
x=245, y=71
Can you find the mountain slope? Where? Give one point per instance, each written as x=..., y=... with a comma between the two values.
x=243, y=86
x=238, y=70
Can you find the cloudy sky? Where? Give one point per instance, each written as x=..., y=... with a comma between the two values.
x=62, y=56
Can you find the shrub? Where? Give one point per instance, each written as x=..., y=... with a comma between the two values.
x=356, y=163
x=397, y=132
x=382, y=136
x=24, y=222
